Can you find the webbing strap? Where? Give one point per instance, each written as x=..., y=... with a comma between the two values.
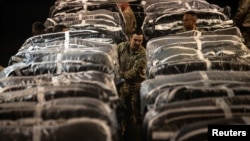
x=59, y=63
x=36, y=133
x=66, y=42
x=40, y=95
x=225, y=107
x=205, y=78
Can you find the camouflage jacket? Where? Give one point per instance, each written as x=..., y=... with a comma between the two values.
x=130, y=20
x=132, y=64
x=242, y=16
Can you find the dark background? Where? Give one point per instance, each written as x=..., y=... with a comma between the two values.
x=17, y=17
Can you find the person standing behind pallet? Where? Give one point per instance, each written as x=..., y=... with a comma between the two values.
x=189, y=21
x=132, y=61
x=130, y=20
x=38, y=28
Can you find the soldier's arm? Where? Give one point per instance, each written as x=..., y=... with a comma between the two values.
x=242, y=9
x=138, y=69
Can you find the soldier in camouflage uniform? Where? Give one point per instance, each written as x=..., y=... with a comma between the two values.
x=242, y=19
x=132, y=60
x=129, y=16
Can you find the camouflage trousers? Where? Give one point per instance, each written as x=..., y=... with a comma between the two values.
x=130, y=99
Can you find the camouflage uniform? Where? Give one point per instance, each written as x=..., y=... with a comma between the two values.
x=242, y=19
x=132, y=70
x=130, y=20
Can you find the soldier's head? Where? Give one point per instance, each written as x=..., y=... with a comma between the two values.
x=189, y=20
x=37, y=28
x=136, y=39
x=123, y=4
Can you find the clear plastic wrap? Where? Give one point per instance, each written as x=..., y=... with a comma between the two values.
x=151, y=4
x=74, y=6
x=102, y=79
x=81, y=16
x=228, y=63
x=30, y=52
x=179, y=54
x=64, y=108
x=154, y=87
x=197, y=41
x=161, y=7
x=164, y=18
x=164, y=122
x=91, y=33
x=198, y=130
x=57, y=130
x=71, y=61
x=187, y=92
x=41, y=94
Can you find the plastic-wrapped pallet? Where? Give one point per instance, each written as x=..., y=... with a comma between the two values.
x=164, y=122
x=199, y=130
x=165, y=17
x=69, y=19
x=64, y=108
x=45, y=93
x=151, y=88
x=180, y=54
x=100, y=79
x=75, y=129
